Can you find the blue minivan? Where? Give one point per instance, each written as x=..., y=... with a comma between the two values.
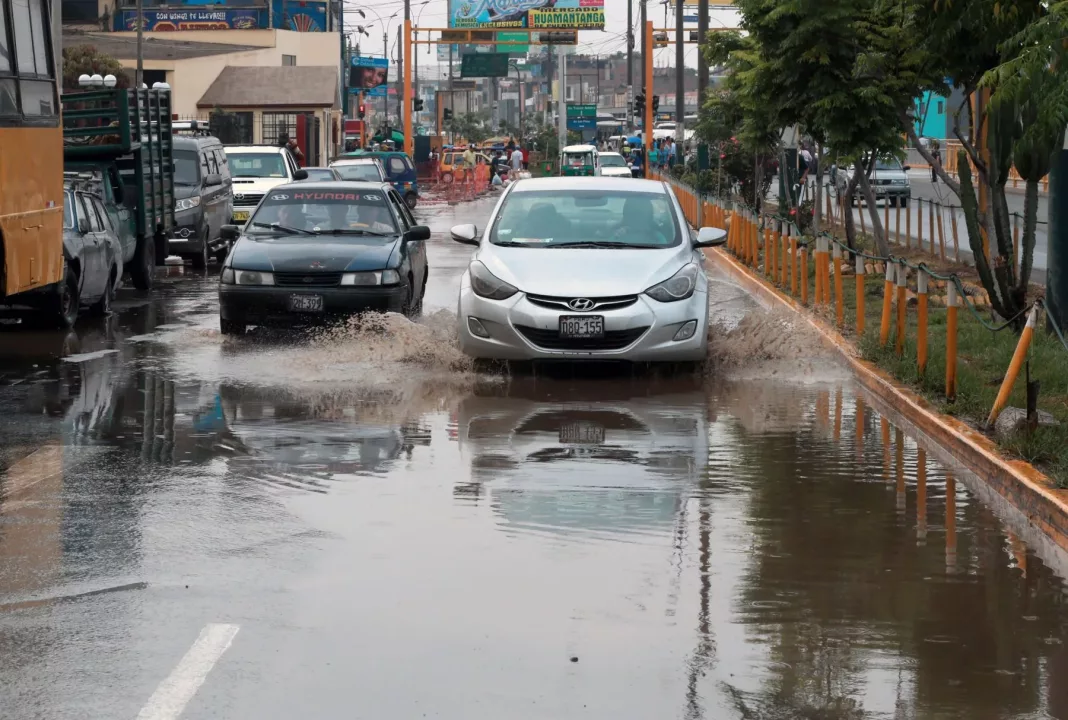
x=400, y=171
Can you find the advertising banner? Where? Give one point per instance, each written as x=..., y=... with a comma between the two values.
x=368, y=73
x=173, y=20
x=554, y=14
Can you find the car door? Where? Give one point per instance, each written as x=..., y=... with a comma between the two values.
x=111, y=250
x=93, y=249
x=122, y=217
x=416, y=249
x=211, y=195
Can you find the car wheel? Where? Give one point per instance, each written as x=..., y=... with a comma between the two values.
x=410, y=199
x=66, y=301
x=143, y=268
x=200, y=260
x=408, y=309
x=231, y=327
x=446, y=177
x=102, y=307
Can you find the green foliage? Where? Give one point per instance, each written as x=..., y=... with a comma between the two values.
x=472, y=127
x=87, y=60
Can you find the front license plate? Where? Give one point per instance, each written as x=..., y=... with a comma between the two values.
x=582, y=433
x=240, y=216
x=582, y=326
x=306, y=303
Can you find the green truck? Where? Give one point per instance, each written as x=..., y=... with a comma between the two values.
x=121, y=140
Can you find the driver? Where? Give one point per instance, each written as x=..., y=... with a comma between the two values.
x=377, y=218
x=292, y=216
x=639, y=224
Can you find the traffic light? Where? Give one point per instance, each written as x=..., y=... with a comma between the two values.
x=656, y=104
x=446, y=114
x=417, y=103
x=362, y=110
x=565, y=37
x=639, y=104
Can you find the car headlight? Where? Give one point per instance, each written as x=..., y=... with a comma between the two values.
x=677, y=287
x=487, y=285
x=230, y=276
x=375, y=277
x=186, y=204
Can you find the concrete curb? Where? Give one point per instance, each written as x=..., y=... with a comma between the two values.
x=1027, y=489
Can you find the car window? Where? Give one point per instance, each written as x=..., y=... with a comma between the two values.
x=68, y=210
x=86, y=210
x=396, y=166
x=887, y=165
x=548, y=218
x=186, y=167
x=397, y=205
x=213, y=163
x=324, y=212
x=257, y=165
x=612, y=160
x=105, y=219
x=368, y=172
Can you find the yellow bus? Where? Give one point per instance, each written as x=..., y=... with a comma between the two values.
x=31, y=152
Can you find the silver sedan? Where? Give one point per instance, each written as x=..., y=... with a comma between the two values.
x=586, y=269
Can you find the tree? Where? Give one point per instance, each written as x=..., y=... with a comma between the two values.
x=87, y=60
x=473, y=126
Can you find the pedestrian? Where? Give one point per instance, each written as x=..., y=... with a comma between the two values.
x=672, y=158
x=469, y=158
x=526, y=157
x=298, y=154
x=804, y=164
x=516, y=162
x=936, y=155
x=654, y=155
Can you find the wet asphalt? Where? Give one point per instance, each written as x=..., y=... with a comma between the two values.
x=281, y=527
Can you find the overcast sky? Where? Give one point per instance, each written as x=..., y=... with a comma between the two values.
x=434, y=13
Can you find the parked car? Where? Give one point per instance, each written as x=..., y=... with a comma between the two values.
x=614, y=165
x=203, y=199
x=92, y=258
x=889, y=181
x=315, y=250
x=452, y=165
x=586, y=269
x=366, y=169
x=322, y=174
x=255, y=170
x=399, y=170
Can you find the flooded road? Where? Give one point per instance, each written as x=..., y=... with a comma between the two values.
x=357, y=525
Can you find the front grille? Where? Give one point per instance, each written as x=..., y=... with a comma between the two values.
x=308, y=279
x=601, y=303
x=551, y=340
x=246, y=199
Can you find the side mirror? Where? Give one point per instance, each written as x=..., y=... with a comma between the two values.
x=466, y=234
x=710, y=237
x=300, y=175
x=213, y=180
x=907, y=167
x=84, y=226
x=230, y=232
x=417, y=232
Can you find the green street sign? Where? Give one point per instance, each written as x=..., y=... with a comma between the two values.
x=581, y=111
x=484, y=65
x=513, y=37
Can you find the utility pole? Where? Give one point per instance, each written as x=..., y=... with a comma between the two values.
x=702, y=66
x=402, y=97
x=680, y=78
x=561, y=119
x=647, y=75
x=140, y=76
x=630, y=66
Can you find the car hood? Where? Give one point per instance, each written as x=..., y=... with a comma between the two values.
x=583, y=272
x=258, y=186
x=300, y=253
x=615, y=171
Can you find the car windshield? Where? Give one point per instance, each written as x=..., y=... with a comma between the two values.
x=359, y=171
x=613, y=160
x=324, y=212
x=68, y=210
x=887, y=165
x=319, y=174
x=262, y=165
x=594, y=218
x=186, y=168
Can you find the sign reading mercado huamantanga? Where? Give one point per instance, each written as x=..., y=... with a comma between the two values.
x=548, y=14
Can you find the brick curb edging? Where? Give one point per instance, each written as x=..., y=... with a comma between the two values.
x=1027, y=489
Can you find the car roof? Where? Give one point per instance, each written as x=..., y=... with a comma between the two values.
x=579, y=148
x=355, y=161
x=252, y=148
x=335, y=185
x=197, y=141
x=568, y=183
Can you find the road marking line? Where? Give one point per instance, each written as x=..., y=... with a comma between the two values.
x=174, y=693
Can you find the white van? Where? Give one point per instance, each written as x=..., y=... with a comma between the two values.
x=255, y=169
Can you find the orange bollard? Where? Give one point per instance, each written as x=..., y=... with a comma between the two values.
x=888, y=305
x=860, y=295
x=902, y=278
x=804, y=274
x=793, y=259
x=754, y=246
x=817, y=256
x=921, y=320
x=1017, y=362
x=839, y=301
x=951, y=342
x=769, y=256
x=732, y=232
x=908, y=227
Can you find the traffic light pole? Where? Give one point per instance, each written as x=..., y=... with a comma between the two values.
x=647, y=57
x=409, y=141
x=630, y=66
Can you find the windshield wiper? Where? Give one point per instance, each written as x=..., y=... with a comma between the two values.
x=509, y=243
x=599, y=244
x=282, y=228
x=352, y=231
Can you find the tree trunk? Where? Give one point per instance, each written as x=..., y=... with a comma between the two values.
x=861, y=173
x=1027, y=242
x=970, y=207
x=847, y=212
x=817, y=211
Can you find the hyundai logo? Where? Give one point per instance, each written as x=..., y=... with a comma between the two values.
x=581, y=304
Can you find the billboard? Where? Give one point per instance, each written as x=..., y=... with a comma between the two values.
x=306, y=16
x=368, y=72
x=549, y=14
